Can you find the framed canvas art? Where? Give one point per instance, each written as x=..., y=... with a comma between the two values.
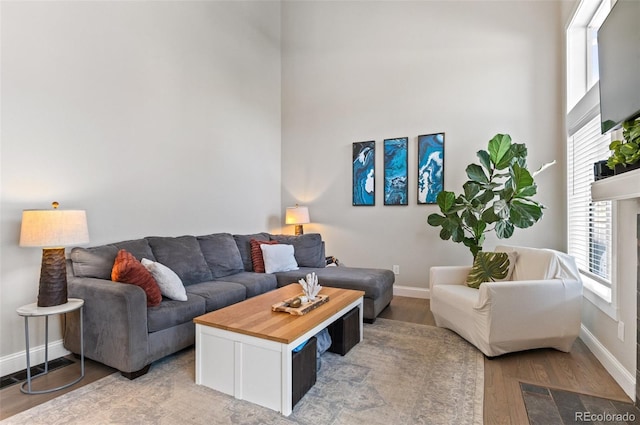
x=396, y=165
x=364, y=179
x=430, y=167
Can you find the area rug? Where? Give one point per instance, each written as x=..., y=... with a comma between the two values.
x=401, y=373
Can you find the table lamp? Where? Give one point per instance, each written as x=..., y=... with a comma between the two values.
x=53, y=230
x=297, y=215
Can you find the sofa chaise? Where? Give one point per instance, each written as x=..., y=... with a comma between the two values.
x=216, y=271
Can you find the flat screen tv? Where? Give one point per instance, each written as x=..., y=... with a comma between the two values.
x=619, y=65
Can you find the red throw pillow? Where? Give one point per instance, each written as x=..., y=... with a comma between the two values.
x=127, y=269
x=256, y=254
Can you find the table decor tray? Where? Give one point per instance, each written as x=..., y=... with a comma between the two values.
x=304, y=308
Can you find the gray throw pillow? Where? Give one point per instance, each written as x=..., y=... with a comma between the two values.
x=183, y=256
x=221, y=254
x=94, y=262
x=308, y=249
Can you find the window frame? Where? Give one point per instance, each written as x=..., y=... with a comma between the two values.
x=583, y=106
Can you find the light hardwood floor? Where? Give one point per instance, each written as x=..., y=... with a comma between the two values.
x=577, y=371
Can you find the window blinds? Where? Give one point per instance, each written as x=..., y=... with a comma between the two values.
x=589, y=223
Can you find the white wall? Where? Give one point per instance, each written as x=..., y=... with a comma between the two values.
x=357, y=71
x=157, y=118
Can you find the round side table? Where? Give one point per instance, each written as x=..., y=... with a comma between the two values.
x=32, y=310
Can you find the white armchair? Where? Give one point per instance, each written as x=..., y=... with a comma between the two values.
x=539, y=308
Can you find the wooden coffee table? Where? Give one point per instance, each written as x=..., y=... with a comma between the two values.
x=245, y=349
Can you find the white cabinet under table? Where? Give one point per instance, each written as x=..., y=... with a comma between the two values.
x=245, y=349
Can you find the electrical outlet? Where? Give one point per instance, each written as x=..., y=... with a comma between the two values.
x=621, y=331
x=396, y=269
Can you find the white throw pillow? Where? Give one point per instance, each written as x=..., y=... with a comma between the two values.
x=278, y=258
x=169, y=282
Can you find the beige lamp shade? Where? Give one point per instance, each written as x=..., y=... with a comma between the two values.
x=53, y=228
x=297, y=215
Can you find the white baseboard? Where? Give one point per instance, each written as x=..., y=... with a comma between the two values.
x=622, y=376
x=18, y=361
x=411, y=291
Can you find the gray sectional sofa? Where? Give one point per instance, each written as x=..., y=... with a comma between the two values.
x=216, y=270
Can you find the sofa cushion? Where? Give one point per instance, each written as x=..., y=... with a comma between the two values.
x=138, y=247
x=278, y=258
x=308, y=248
x=168, y=281
x=171, y=313
x=257, y=259
x=127, y=269
x=218, y=294
x=244, y=246
x=221, y=254
x=374, y=282
x=183, y=256
x=255, y=283
x=94, y=262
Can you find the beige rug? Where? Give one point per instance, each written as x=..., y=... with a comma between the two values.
x=401, y=373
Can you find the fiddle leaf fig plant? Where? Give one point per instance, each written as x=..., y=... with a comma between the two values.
x=626, y=151
x=496, y=198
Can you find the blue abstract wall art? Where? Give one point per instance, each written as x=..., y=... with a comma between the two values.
x=396, y=165
x=364, y=182
x=430, y=167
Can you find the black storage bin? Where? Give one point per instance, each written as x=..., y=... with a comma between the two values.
x=345, y=332
x=303, y=370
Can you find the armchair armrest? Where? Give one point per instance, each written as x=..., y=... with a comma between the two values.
x=448, y=275
x=513, y=306
x=115, y=323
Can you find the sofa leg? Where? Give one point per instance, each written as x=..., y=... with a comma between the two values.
x=369, y=321
x=137, y=373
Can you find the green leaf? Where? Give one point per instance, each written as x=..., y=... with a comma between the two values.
x=521, y=177
x=476, y=174
x=471, y=189
x=504, y=229
x=479, y=228
x=457, y=235
x=519, y=150
x=501, y=209
x=445, y=200
x=507, y=193
x=500, y=151
x=524, y=215
x=527, y=191
x=469, y=242
x=629, y=148
x=489, y=216
x=469, y=218
x=485, y=159
x=486, y=197
x=445, y=234
x=436, y=219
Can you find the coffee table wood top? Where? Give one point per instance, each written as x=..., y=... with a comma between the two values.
x=254, y=316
